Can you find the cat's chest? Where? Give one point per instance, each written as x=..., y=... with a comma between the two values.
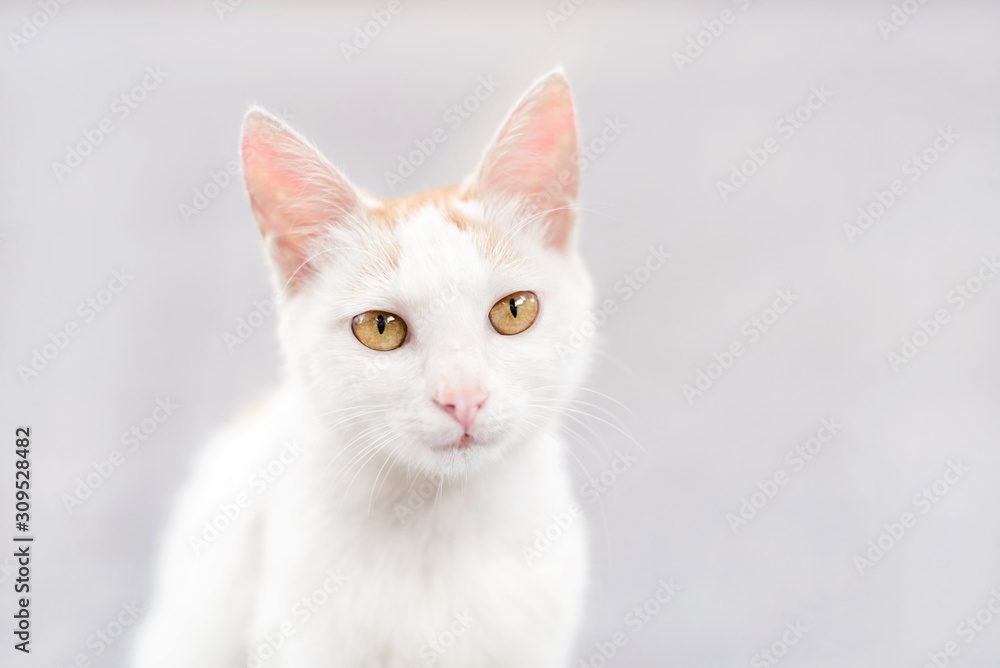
x=437, y=546
x=443, y=604
x=399, y=582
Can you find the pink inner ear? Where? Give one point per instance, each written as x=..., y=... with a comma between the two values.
x=535, y=157
x=265, y=180
x=293, y=190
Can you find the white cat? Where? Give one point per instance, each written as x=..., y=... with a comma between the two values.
x=384, y=508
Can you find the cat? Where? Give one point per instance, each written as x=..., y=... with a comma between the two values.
x=402, y=499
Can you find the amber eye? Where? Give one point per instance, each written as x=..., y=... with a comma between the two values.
x=379, y=330
x=514, y=313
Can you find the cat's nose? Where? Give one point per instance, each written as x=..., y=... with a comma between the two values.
x=463, y=404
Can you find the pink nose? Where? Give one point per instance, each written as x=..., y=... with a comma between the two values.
x=462, y=404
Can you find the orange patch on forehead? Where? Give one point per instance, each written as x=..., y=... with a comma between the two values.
x=497, y=245
x=389, y=254
x=390, y=212
x=493, y=243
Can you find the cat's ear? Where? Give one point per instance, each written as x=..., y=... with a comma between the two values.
x=534, y=159
x=295, y=193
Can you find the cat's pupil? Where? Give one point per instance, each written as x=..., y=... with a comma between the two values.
x=380, y=321
x=513, y=307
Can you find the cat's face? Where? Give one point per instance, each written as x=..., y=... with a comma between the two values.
x=436, y=329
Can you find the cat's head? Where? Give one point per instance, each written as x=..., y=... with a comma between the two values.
x=435, y=328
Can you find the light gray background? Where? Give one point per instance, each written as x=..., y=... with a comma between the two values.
x=664, y=518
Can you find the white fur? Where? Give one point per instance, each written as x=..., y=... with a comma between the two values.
x=369, y=440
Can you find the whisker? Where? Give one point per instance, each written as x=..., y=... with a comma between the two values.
x=371, y=497
x=582, y=441
x=599, y=419
x=600, y=501
x=585, y=389
x=553, y=401
x=354, y=417
x=617, y=362
x=402, y=447
x=360, y=453
x=348, y=446
x=385, y=440
x=350, y=408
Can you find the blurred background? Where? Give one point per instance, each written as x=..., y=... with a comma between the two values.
x=742, y=138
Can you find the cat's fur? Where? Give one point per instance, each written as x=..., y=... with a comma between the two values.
x=419, y=543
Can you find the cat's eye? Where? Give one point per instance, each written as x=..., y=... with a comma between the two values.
x=514, y=313
x=379, y=330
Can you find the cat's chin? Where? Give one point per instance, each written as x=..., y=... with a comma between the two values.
x=463, y=443
x=462, y=456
